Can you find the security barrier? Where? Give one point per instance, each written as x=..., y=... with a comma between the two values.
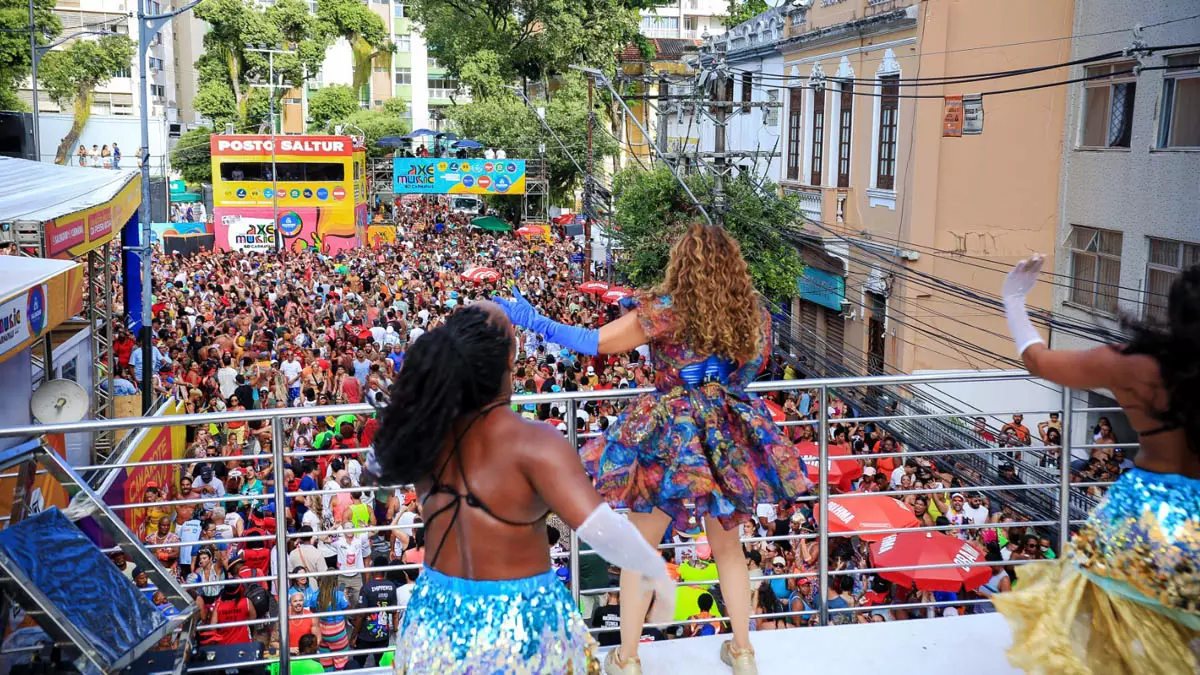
x=1053, y=482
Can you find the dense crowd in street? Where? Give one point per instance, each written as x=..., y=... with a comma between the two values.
x=237, y=331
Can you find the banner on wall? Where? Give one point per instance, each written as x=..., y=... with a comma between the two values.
x=303, y=228
x=77, y=233
x=381, y=235
x=415, y=175
x=252, y=235
x=130, y=483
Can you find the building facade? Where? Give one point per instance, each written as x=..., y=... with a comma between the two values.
x=908, y=209
x=685, y=19
x=1130, y=219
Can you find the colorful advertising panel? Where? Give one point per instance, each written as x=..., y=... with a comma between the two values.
x=415, y=175
x=303, y=228
x=28, y=315
x=130, y=483
x=75, y=234
x=317, y=183
x=379, y=236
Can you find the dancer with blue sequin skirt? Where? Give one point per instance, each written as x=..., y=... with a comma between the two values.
x=487, y=600
x=1125, y=597
x=699, y=439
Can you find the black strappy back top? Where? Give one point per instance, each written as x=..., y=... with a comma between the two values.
x=466, y=497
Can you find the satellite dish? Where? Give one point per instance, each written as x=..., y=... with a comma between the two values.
x=59, y=401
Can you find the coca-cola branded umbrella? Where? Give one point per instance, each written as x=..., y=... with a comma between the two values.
x=481, y=274
x=912, y=549
x=616, y=294
x=841, y=471
x=593, y=287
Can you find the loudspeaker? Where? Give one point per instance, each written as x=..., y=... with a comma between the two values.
x=218, y=655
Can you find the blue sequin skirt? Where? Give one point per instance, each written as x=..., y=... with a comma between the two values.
x=511, y=627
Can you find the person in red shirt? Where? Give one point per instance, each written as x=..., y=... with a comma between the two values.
x=122, y=348
x=351, y=388
x=231, y=607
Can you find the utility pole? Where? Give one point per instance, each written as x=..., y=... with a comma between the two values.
x=720, y=119
x=148, y=27
x=588, y=180
x=34, y=58
x=663, y=115
x=271, y=52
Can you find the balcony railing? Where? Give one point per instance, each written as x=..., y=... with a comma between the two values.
x=1053, y=485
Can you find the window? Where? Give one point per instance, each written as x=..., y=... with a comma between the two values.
x=442, y=87
x=404, y=76
x=818, y=136
x=1095, y=268
x=1179, y=123
x=660, y=26
x=889, y=108
x=380, y=69
x=400, y=11
x=1168, y=259
x=771, y=117
x=689, y=24
x=1108, y=105
x=378, y=103
x=431, y=62
x=288, y=171
x=158, y=91
x=747, y=90
x=795, y=98
x=403, y=42
x=122, y=72
x=845, y=130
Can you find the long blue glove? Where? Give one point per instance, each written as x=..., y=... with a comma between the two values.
x=577, y=339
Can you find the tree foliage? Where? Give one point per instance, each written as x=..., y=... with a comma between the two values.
x=506, y=122
x=489, y=42
x=192, y=156
x=375, y=124
x=354, y=21
x=14, y=44
x=335, y=102
x=71, y=75
x=741, y=11
x=652, y=209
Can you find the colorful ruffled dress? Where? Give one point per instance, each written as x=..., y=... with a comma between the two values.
x=1126, y=596
x=700, y=439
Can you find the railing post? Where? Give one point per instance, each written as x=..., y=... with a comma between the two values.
x=281, y=570
x=573, y=438
x=1064, y=475
x=823, y=507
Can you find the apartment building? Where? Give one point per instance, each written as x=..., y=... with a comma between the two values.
x=1130, y=219
x=685, y=19
x=410, y=74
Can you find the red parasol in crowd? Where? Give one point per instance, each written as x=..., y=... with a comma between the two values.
x=909, y=549
x=877, y=512
x=593, y=287
x=564, y=219
x=530, y=231
x=777, y=414
x=616, y=294
x=841, y=471
x=480, y=274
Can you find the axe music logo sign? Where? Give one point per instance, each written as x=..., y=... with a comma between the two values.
x=418, y=175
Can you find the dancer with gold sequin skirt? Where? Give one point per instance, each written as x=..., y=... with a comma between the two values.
x=1125, y=597
x=487, y=600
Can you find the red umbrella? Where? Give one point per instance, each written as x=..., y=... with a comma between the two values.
x=777, y=414
x=910, y=549
x=616, y=294
x=529, y=231
x=480, y=274
x=594, y=287
x=877, y=512
x=841, y=471
x=564, y=219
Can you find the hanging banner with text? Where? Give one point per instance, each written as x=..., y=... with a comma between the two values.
x=415, y=175
x=972, y=114
x=952, y=118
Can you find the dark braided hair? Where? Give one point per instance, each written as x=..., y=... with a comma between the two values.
x=1175, y=344
x=450, y=371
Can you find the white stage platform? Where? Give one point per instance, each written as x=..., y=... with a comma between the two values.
x=944, y=646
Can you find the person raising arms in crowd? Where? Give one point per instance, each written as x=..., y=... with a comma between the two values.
x=699, y=438
x=1125, y=596
x=487, y=478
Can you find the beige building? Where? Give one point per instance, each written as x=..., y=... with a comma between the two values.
x=924, y=210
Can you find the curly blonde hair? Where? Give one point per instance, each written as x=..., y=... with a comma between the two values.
x=712, y=294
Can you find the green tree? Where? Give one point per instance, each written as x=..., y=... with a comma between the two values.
x=14, y=44
x=192, y=156
x=354, y=21
x=489, y=42
x=506, y=122
x=229, y=65
x=744, y=10
x=652, y=209
x=375, y=124
x=335, y=102
x=71, y=75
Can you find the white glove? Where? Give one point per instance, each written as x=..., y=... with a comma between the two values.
x=620, y=543
x=1017, y=285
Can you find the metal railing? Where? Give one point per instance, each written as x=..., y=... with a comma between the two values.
x=1056, y=489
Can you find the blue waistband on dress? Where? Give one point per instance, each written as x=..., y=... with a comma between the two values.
x=481, y=587
x=713, y=369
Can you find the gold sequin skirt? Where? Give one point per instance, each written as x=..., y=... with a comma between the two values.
x=1125, y=597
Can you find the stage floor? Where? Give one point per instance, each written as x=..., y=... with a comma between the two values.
x=944, y=646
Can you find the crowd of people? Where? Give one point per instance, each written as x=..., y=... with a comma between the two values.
x=236, y=331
